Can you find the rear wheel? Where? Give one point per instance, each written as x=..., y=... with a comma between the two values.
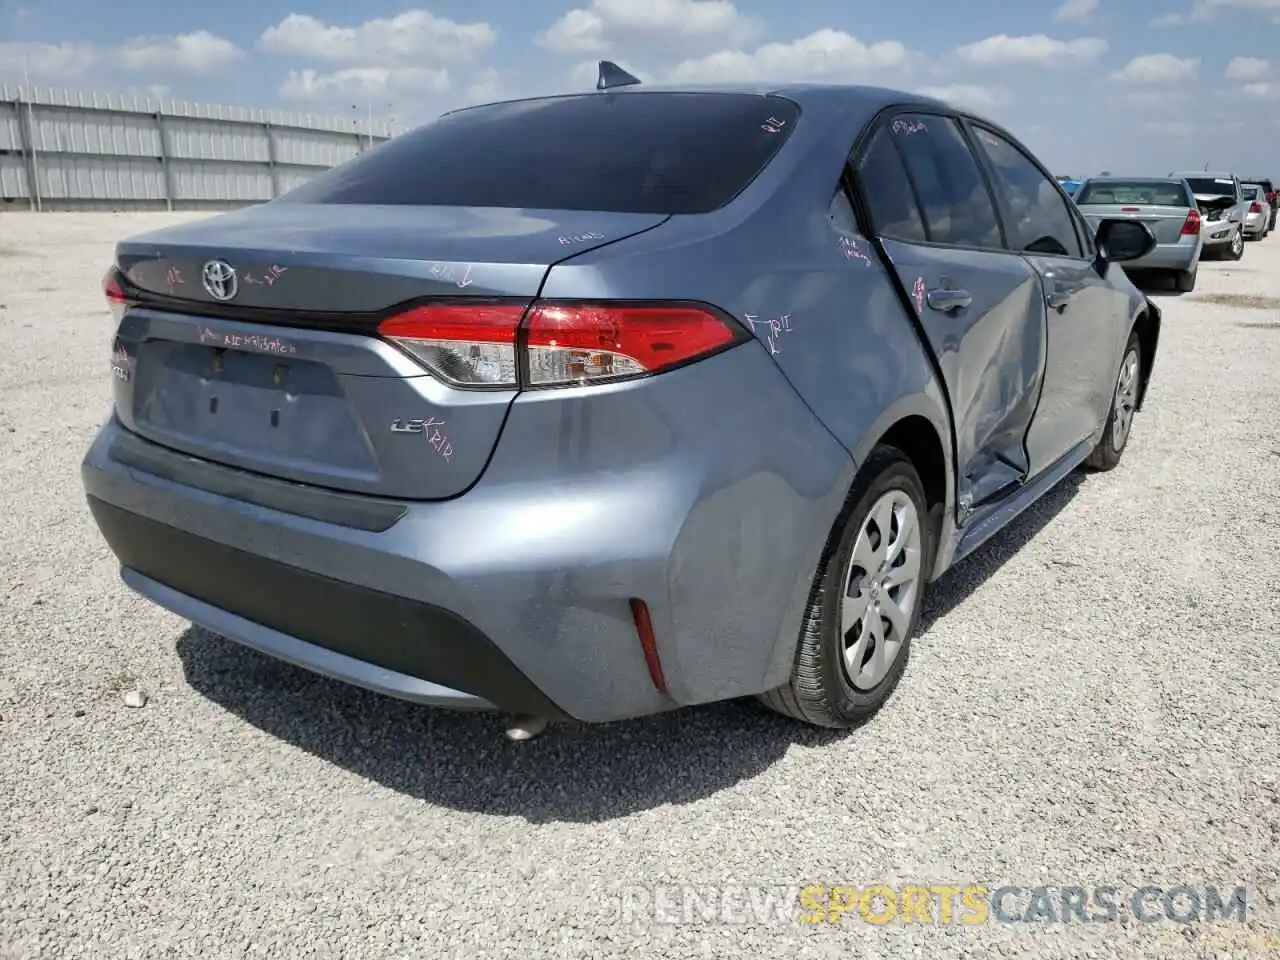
x=1184, y=281
x=865, y=604
x=1124, y=402
x=1235, y=249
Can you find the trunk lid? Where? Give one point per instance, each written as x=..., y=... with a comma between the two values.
x=1165, y=222
x=282, y=374
x=1214, y=207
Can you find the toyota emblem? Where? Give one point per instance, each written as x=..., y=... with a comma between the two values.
x=220, y=279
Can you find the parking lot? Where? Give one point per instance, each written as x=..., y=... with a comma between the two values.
x=1093, y=701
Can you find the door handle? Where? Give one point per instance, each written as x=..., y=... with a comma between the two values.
x=1058, y=300
x=946, y=300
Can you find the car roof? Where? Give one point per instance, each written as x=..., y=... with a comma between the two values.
x=1143, y=179
x=862, y=99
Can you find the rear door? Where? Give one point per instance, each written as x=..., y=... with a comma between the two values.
x=978, y=305
x=1087, y=317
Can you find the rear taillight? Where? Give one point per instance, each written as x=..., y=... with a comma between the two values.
x=480, y=345
x=465, y=344
x=114, y=293
x=1255, y=207
x=1192, y=223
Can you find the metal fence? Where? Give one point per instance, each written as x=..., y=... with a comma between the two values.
x=84, y=150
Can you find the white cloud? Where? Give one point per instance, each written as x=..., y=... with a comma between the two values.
x=1207, y=7
x=47, y=62
x=407, y=39
x=1170, y=128
x=1262, y=90
x=1151, y=99
x=1158, y=68
x=1247, y=68
x=363, y=83
x=1037, y=48
x=486, y=87
x=973, y=96
x=607, y=23
x=823, y=55
x=1076, y=11
x=1169, y=20
x=198, y=52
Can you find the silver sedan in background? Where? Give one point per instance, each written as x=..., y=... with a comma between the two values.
x=1166, y=205
x=1257, y=215
x=1222, y=208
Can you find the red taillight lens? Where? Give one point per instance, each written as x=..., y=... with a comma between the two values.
x=1255, y=207
x=114, y=293
x=479, y=345
x=1192, y=223
x=465, y=344
x=588, y=343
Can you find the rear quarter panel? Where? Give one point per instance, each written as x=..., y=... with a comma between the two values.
x=824, y=310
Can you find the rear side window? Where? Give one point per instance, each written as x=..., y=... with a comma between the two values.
x=892, y=205
x=1039, y=219
x=635, y=152
x=1151, y=193
x=957, y=205
x=1213, y=186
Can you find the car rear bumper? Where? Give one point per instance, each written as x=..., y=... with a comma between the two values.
x=373, y=639
x=1168, y=256
x=517, y=594
x=1256, y=223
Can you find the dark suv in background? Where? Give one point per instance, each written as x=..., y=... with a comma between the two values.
x=1269, y=188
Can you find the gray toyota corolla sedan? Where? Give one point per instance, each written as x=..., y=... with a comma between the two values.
x=600, y=405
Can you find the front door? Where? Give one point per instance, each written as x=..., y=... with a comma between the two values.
x=1083, y=326
x=979, y=305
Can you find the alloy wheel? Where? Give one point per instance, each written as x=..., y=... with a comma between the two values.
x=881, y=589
x=1126, y=400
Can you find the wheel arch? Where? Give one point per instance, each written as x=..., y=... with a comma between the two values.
x=921, y=428
x=1146, y=324
x=917, y=424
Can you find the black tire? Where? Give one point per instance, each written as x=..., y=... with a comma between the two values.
x=1232, y=252
x=1106, y=455
x=1184, y=281
x=819, y=691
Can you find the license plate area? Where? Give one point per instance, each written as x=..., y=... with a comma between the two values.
x=251, y=405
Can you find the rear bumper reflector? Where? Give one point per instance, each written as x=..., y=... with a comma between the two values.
x=644, y=627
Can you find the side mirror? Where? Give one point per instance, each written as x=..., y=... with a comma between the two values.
x=1123, y=240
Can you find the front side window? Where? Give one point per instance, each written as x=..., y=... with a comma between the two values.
x=1040, y=221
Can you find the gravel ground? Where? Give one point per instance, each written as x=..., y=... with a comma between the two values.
x=1093, y=701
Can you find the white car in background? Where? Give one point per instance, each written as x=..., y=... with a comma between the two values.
x=1257, y=215
x=1222, y=211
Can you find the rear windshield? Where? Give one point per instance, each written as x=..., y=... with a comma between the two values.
x=1251, y=191
x=1212, y=186
x=1152, y=193
x=664, y=153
